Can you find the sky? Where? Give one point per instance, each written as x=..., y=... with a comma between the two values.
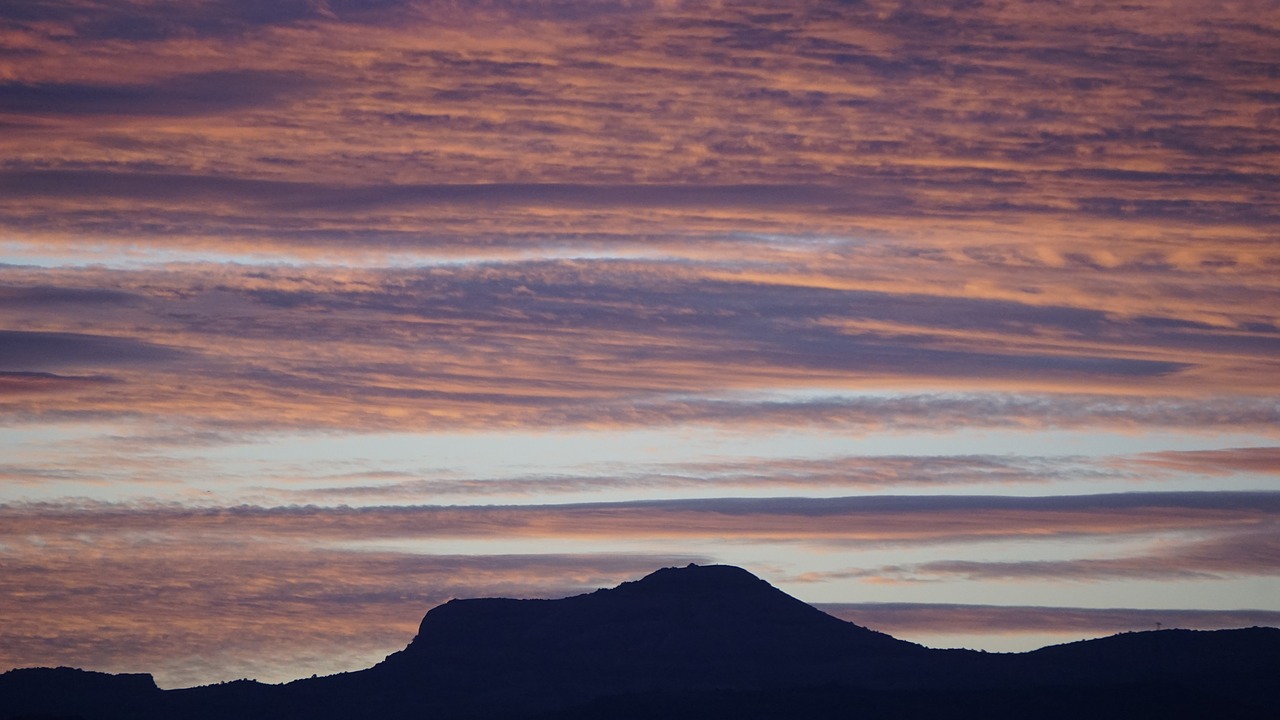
x=960, y=320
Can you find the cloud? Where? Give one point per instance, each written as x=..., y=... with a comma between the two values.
x=142, y=22
x=294, y=197
x=180, y=95
x=1261, y=460
x=41, y=296
x=1000, y=123
x=1251, y=552
x=775, y=474
x=619, y=343
x=907, y=619
x=848, y=519
x=23, y=383
x=940, y=412
x=782, y=475
x=11, y=474
x=30, y=351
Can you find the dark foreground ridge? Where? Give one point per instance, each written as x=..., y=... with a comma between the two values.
x=701, y=642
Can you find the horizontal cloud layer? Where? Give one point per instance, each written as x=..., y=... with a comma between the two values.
x=600, y=343
x=881, y=518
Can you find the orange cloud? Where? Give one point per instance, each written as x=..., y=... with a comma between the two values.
x=1262, y=460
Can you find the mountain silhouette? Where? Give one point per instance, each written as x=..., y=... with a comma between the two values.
x=700, y=642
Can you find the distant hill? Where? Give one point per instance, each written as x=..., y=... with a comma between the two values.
x=701, y=642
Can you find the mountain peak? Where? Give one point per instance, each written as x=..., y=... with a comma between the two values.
x=694, y=594
x=669, y=618
x=677, y=627
x=695, y=641
x=695, y=579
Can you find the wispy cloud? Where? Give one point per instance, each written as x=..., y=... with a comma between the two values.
x=22, y=383
x=1248, y=552
x=774, y=474
x=1264, y=460
x=881, y=518
x=867, y=473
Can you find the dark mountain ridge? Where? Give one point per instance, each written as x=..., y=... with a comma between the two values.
x=712, y=641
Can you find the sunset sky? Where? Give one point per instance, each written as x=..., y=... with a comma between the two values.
x=960, y=320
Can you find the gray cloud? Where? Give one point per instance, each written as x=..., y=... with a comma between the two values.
x=35, y=351
x=295, y=196
x=24, y=385
x=944, y=411
x=149, y=22
x=945, y=518
x=779, y=475
x=179, y=95
x=41, y=296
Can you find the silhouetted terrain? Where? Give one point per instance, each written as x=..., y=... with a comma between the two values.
x=702, y=642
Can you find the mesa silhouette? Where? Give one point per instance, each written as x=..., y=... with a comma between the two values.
x=701, y=642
